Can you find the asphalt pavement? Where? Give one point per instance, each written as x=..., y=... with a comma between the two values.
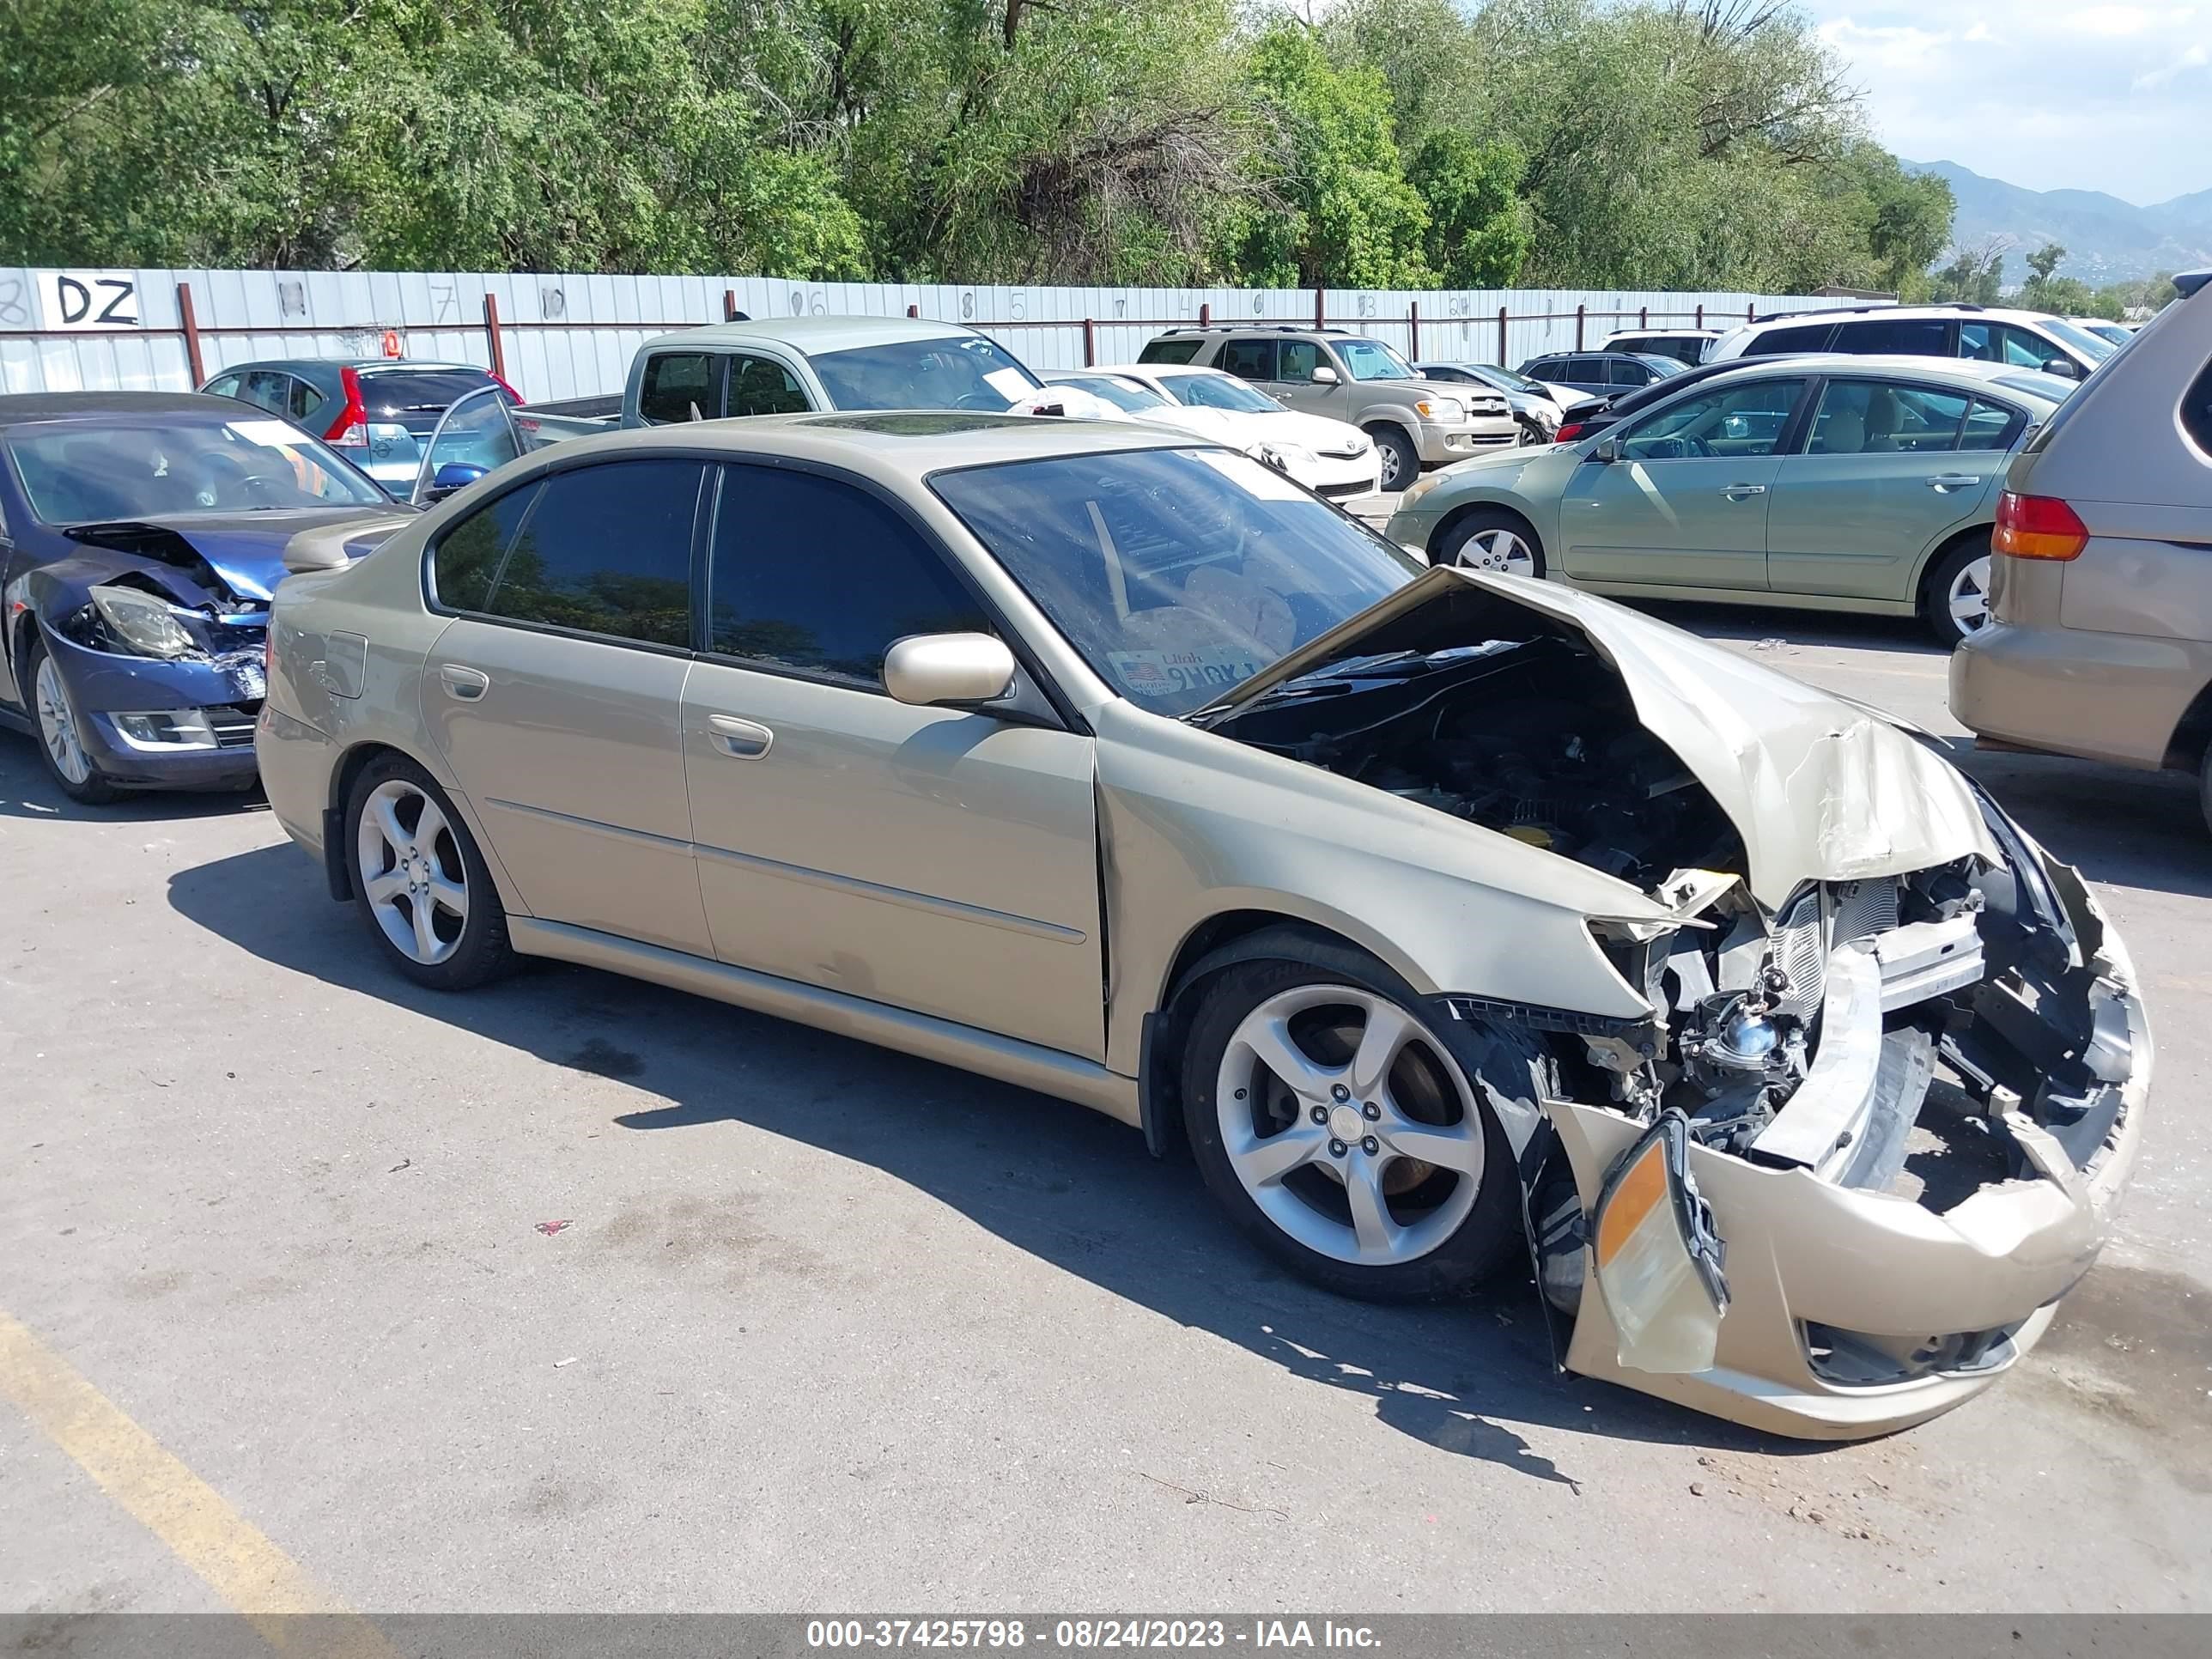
x=574, y=1293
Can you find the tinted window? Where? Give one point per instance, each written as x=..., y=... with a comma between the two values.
x=680, y=385
x=1874, y=417
x=1810, y=336
x=1903, y=337
x=608, y=551
x=1169, y=351
x=1736, y=420
x=2197, y=412
x=813, y=573
x=760, y=385
x=265, y=388
x=1621, y=371
x=223, y=386
x=1591, y=369
x=1986, y=427
x=466, y=558
x=1253, y=360
x=387, y=392
x=1295, y=360
x=302, y=400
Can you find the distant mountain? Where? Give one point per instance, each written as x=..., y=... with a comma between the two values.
x=2106, y=239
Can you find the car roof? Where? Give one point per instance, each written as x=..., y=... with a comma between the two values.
x=1939, y=371
x=1165, y=370
x=1838, y=313
x=890, y=445
x=1664, y=333
x=80, y=406
x=814, y=335
x=356, y=363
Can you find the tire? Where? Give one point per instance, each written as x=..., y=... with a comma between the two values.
x=1491, y=538
x=1440, y=1230
x=464, y=943
x=1954, y=600
x=69, y=763
x=1402, y=462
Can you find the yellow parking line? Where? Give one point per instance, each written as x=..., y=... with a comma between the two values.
x=187, y=1515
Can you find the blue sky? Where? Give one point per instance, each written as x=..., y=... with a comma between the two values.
x=2047, y=93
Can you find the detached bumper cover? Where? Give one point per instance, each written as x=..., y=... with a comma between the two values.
x=1857, y=1312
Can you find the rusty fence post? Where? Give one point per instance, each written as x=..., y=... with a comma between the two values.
x=729, y=305
x=1581, y=313
x=1643, y=316
x=190, y=322
x=913, y=311
x=1413, y=322
x=1701, y=314
x=1090, y=343
x=1751, y=311
x=491, y=336
x=1501, y=337
x=1204, y=314
x=1321, y=308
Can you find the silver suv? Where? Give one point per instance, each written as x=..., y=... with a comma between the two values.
x=1348, y=377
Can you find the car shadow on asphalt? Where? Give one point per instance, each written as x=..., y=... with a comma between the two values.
x=1065, y=1184
x=27, y=791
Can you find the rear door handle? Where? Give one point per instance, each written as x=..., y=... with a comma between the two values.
x=1949, y=481
x=464, y=684
x=740, y=739
x=1737, y=492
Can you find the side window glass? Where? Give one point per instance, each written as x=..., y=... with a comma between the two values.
x=1169, y=351
x=2197, y=413
x=1813, y=337
x=303, y=401
x=265, y=389
x=679, y=386
x=1620, y=372
x=1979, y=342
x=2028, y=350
x=1253, y=360
x=1295, y=360
x=466, y=561
x=476, y=432
x=760, y=385
x=223, y=386
x=814, y=574
x=1872, y=417
x=1986, y=426
x=608, y=551
x=1742, y=420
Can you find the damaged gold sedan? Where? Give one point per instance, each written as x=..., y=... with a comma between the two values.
x=1444, y=916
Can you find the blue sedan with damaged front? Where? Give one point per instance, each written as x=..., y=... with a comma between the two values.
x=141, y=536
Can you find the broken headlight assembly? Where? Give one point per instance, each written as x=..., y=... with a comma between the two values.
x=144, y=625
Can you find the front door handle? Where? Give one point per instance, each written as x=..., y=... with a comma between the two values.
x=740, y=739
x=1739, y=492
x=1949, y=481
x=464, y=684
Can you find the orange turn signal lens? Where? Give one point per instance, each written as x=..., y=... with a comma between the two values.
x=2038, y=527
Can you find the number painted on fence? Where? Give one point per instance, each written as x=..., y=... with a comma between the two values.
x=88, y=298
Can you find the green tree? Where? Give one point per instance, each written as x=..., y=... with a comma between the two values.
x=1477, y=234
x=1975, y=275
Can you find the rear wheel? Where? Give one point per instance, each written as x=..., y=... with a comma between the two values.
x=61, y=738
x=1402, y=462
x=1956, y=602
x=1342, y=1133
x=420, y=880
x=1491, y=538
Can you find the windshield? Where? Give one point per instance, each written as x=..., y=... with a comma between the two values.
x=1178, y=573
x=1220, y=391
x=2111, y=331
x=1505, y=379
x=78, y=472
x=1120, y=393
x=2092, y=346
x=961, y=371
x=1665, y=364
x=1371, y=360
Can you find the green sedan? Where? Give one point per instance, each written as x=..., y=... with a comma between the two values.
x=1860, y=483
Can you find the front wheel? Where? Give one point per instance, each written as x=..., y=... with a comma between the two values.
x=1488, y=539
x=61, y=738
x=420, y=880
x=1402, y=462
x=1957, y=599
x=1342, y=1133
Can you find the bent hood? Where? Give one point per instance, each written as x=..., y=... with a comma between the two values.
x=1820, y=789
x=245, y=549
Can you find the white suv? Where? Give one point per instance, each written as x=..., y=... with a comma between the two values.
x=2025, y=339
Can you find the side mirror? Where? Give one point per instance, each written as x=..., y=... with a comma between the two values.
x=2063, y=367
x=1324, y=375
x=1606, y=452
x=940, y=670
x=452, y=477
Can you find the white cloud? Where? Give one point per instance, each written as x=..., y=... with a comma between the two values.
x=2152, y=79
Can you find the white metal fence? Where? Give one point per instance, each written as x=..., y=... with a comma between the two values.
x=560, y=336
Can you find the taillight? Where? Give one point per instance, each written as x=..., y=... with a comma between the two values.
x=2038, y=527
x=350, y=429
x=1568, y=433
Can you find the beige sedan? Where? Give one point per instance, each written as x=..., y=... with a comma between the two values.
x=1441, y=915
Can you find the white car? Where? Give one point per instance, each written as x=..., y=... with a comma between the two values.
x=1332, y=458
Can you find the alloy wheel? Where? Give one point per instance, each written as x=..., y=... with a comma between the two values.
x=57, y=726
x=1349, y=1126
x=1969, y=598
x=411, y=870
x=1498, y=550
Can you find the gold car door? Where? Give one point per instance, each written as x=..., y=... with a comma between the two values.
x=937, y=860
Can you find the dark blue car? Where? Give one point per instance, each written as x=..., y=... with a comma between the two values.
x=141, y=536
